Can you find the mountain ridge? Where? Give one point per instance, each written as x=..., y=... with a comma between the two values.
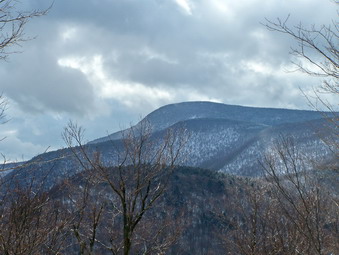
x=230, y=142
x=203, y=109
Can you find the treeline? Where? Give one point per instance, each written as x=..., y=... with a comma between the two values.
x=148, y=205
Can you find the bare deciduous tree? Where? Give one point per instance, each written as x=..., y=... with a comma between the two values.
x=139, y=176
x=291, y=213
x=31, y=222
x=12, y=24
x=303, y=200
x=3, y=107
x=317, y=46
x=317, y=54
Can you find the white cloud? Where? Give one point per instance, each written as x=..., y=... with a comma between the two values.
x=68, y=33
x=106, y=64
x=14, y=149
x=259, y=67
x=222, y=6
x=185, y=5
x=151, y=54
x=196, y=96
x=130, y=94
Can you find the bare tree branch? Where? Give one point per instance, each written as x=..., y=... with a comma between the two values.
x=12, y=25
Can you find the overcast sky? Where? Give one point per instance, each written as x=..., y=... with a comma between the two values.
x=107, y=63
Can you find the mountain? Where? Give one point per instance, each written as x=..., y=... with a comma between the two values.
x=199, y=206
x=168, y=115
x=205, y=199
x=227, y=138
x=232, y=138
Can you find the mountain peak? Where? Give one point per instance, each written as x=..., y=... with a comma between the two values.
x=171, y=114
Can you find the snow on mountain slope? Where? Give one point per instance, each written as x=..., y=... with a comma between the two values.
x=168, y=115
x=226, y=138
x=237, y=147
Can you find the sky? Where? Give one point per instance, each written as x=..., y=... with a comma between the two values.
x=106, y=64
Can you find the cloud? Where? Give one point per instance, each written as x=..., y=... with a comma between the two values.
x=106, y=63
x=129, y=94
x=10, y=146
x=185, y=5
x=37, y=83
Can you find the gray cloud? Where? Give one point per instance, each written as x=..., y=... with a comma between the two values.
x=60, y=90
x=106, y=63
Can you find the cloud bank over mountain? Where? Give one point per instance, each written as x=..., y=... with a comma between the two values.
x=106, y=63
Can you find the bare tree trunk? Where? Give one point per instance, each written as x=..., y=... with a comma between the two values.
x=137, y=179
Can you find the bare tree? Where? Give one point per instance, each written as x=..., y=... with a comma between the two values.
x=317, y=55
x=137, y=179
x=245, y=230
x=3, y=107
x=317, y=46
x=291, y=212
x=12, y=24
x=31, y=222
x=303, y=200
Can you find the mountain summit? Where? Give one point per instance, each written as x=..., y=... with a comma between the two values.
x=171, y=114
x=226, y=138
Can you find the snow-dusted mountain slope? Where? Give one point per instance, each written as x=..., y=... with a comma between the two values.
x=236, y=147
x=226, y=138
x=168, y=115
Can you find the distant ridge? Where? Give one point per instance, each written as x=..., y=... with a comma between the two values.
x=224, y=138
x=168, y=115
